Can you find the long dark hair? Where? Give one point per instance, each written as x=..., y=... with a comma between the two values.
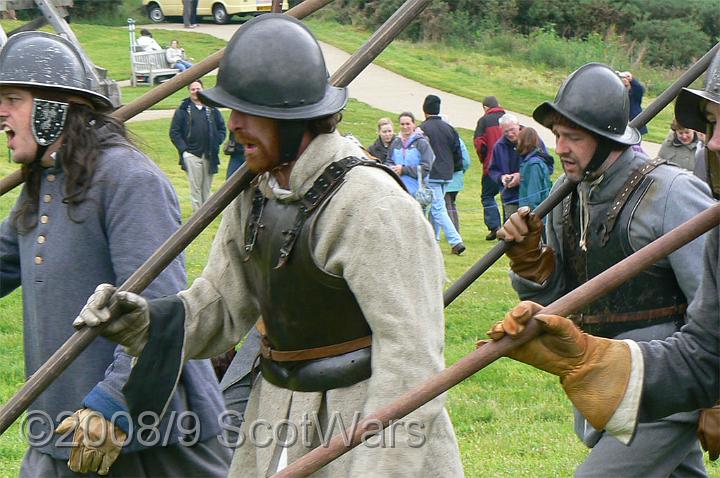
x=82, y=144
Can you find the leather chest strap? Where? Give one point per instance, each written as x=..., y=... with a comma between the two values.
x=309, y=354
x=642, y=315
x=625, y=193
x=324, y=186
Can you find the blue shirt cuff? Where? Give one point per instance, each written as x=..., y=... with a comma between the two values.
x=115, y=412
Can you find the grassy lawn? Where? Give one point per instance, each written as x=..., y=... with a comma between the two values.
x=510, y=420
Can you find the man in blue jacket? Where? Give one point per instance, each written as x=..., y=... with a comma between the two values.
x=197, y=131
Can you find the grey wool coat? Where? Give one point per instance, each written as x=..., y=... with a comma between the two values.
x=129, y=211
x=674, y=196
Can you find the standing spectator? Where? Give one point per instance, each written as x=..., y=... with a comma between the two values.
x=535, y=181
x=236, y=151
x=505, y=167
x=93, y=208
x=487, y=133
x=189, y=18
x=147, y=42
x=193, y=15
x=175, y=56
x=197, y=131
x=381, y=146
x=445, y=143
x=635, y=91
x=456, y=185
x=680, y=146
x=409, y=150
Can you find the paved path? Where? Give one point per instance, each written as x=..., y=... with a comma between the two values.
x=389, y=91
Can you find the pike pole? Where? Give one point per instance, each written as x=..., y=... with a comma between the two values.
x=176, y=83
x=494, y=254
x=174, y=245
x=485, y=355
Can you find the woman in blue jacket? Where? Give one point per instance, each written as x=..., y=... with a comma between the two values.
x=535, y=169
x=409, y=150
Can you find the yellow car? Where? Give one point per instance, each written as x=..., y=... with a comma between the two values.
x=220, y=10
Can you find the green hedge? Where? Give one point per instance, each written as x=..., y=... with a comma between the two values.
x=662, y=32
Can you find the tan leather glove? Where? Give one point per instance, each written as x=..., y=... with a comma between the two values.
x=593, y=371
x=528, y=257
x=97, y=442
x=130, y=329
x=709, y=431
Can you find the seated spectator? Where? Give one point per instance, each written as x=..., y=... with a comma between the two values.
x=146, y=42
x=379, y=149
x=175, y=56
x=680, y=146
x=409, y=150
x=535, y=181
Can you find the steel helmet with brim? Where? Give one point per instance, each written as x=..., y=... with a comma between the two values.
x=52, y=68
x=594, y=98
x=273, y=67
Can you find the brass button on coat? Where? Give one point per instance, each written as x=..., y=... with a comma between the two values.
x=38, y=260
x=51, y=177
x=47, y=198
x=41, y=239
x=44, y=219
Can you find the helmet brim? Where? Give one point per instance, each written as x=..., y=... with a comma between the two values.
x=100, y=102
x=334, y=100
x=629, y=137
x=688, y=108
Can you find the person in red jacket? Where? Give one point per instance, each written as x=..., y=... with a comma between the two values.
x=487, y=133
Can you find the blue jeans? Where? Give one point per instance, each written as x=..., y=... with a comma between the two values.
x=182, y=65
x=491, y=214
x=439, y=214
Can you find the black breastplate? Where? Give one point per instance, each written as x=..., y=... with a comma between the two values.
x=303, y=306
x=608, y=242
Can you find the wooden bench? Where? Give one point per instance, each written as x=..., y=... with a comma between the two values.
x=149, y=67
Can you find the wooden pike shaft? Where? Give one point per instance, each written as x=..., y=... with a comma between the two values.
x=175, y=244
x=480, y=358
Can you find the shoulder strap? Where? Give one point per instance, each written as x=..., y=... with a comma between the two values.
x=324, y=186
x=625, y=193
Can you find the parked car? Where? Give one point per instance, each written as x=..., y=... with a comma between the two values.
x=220, y=10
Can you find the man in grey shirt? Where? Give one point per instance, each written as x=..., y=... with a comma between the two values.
x=615, y=383
x=622, y=202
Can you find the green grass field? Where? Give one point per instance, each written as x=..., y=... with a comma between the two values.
x=510, y=420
